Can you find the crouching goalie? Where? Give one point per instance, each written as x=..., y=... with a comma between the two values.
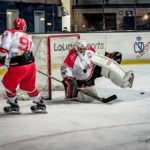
x=82, y=66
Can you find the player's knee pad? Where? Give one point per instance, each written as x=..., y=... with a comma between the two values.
x=71, y=89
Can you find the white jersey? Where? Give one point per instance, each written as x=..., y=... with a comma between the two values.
x=15, y=42
x=78, y=65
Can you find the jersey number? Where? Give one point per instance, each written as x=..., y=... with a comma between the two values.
x=25, y=44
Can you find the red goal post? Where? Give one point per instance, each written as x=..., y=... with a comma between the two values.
x=50, y=52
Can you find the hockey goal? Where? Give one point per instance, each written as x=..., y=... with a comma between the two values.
x=50, y=52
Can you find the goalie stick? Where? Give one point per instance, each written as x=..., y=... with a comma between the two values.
x=104, y=100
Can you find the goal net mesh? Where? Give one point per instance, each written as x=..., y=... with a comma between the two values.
x=50, y=52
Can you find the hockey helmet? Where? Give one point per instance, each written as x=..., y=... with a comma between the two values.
x=82, y=46
x=20, y=24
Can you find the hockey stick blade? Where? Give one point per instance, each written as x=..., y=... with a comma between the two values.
x=110, y=98
x=104, y=100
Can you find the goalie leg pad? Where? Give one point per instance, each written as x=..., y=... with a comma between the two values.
x=122, y=81
x=113, y=71
x=86, y=98
x=71, y=89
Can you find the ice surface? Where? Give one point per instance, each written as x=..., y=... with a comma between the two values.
x=123, y=124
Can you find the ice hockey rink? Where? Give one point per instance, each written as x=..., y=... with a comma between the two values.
x=123, y=124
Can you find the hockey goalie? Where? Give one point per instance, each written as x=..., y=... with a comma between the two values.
x=83, y=65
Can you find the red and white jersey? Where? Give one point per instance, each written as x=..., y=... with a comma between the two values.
x=15, y=41
x=78, y=65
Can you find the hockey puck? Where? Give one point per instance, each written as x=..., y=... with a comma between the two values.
x=142, y=93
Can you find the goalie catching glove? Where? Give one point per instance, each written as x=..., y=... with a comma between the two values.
x=116, y=56
x=71, y=89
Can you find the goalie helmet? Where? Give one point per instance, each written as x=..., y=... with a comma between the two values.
x=81, y=46
x=20, y=24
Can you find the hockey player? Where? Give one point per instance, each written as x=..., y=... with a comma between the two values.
x=16, y=50
x=82, y=66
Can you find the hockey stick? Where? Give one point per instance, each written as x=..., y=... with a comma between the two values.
x=48, y=76
x=104, y=100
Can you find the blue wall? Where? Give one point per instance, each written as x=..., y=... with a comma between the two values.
x=26, y=10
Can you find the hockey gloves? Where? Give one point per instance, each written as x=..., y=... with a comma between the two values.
x=71, y=89
x=117, y=56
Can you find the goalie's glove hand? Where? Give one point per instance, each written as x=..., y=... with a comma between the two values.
x=2, y=61
x=71, y=88
x=116, y=56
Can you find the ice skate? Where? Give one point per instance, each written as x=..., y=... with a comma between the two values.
x=13, y=108
x=131, y=80
x=40, y=107
x=129, y=77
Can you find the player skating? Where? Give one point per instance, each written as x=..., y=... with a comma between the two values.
x=16, y=53
x=82, y=66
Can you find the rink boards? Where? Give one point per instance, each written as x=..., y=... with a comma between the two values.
x=134, y=47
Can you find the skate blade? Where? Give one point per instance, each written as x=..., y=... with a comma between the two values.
x=40, y=112
x=13, y=113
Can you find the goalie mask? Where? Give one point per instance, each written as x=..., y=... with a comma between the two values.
x=20, y=24
x=81, y=46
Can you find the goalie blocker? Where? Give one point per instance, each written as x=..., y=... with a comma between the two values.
x=71, y=89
